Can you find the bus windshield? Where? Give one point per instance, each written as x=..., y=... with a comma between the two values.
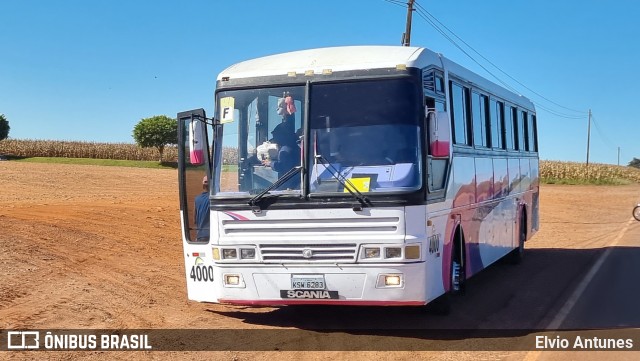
x=260, y=140
x=363, y=134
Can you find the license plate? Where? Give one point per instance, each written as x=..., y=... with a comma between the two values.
x=307, y=282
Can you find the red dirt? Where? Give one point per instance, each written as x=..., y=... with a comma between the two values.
x=99, y=247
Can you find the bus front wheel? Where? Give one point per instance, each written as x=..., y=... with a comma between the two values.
x=457, y=279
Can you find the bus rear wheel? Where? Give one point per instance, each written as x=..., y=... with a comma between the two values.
x=517, y=255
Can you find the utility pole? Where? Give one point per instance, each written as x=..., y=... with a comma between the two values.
x=406, y=37
x=618, y=155
x=588, y=139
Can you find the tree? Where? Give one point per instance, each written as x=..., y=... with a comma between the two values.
x=156, y=131
x=635, y=163
x=4, y=127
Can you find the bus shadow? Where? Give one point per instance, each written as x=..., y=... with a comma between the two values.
x=503, y=300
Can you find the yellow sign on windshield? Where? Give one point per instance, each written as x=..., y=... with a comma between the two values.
x=359, y=184
x=226, y=109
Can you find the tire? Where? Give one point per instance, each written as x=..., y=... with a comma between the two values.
x=517, y=255
x=636, y=212
x=442, y=305
x=458, y=284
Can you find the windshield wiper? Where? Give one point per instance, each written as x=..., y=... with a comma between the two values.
x=346, y=183
x=253, y=202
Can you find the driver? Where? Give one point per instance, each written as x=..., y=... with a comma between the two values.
x=288, y=152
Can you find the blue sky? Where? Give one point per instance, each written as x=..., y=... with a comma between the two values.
x=90, y=70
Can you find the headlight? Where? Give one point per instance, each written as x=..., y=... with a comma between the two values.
x=232, y=280
x=392, y=280
x=247, y=253
x=393, y=252
x=229, y=253
x=372, y=252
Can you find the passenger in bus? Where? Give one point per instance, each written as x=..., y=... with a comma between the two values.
x=202, y=212
x=288, y=152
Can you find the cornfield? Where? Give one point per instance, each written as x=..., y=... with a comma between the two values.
x=550, y=171
x=119, y=151
x=71, y=149
x=573, y=172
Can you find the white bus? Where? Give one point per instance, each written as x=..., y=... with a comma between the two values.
x=364, y=175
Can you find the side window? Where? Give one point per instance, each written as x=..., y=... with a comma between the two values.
x=508, y=129
x=525, y=130
x=481, y=128
x=514, y=128
x=439, y=84
x=459, y=110
x=533, y=133
x=433, y=81
x=497, y=124
x=521, y=134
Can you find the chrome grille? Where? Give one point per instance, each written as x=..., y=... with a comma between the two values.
x=336, y=252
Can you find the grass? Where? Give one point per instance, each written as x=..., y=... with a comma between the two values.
x=229, y=168
x=585, y=181
x=109, y=162
x=101, y=162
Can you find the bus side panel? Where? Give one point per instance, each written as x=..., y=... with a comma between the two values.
x=486, y=194
x=534, y=218
x=503, y=216
x=525, y=175
x=200, y=271
x=464, y=193
x=438, y=252
x=492, y=242
x=514, y=176
x=430, y=235
x=463, y=182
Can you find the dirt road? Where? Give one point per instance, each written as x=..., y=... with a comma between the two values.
x=99, y=247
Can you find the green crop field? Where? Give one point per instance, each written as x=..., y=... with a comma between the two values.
x=52, y=151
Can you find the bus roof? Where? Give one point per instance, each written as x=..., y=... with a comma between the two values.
x=335, y=58
x=348, y=58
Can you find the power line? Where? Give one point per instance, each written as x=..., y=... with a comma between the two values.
x=557, y=114
x=602, y=135
x=396, y=2
x=432, y=20
x=421, y=8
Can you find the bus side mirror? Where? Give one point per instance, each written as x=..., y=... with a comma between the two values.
x=196, y=141
x=439, y=134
